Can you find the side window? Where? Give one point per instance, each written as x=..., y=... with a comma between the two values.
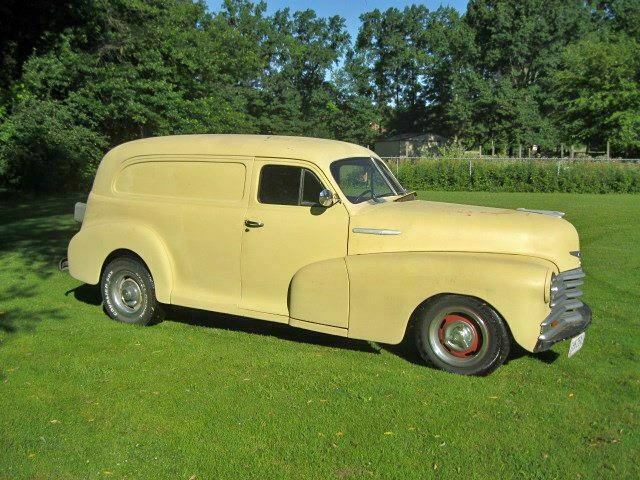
x=288, y=185
x=279, y=184
x=311, y=188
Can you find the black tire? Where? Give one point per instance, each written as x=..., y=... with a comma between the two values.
x=461, y=335
x=128, y=292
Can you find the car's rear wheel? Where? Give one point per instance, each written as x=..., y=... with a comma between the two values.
x=461, y=335
x=128, y=292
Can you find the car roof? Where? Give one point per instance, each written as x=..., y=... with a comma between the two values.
x=317, y=150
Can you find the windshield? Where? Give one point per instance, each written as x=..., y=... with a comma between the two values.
x=365, y=178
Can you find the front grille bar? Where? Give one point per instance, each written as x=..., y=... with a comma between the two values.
x=565, y=303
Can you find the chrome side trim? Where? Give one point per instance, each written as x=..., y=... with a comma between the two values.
x=376, y=231
x=551, y=213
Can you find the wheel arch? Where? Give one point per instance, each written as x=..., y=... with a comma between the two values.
x=94, y=246
x=428, y=301
x=123, y=252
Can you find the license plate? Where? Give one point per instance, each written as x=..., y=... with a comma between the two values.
x=576, y=344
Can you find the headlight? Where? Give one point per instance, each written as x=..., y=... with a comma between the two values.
x=547, y=286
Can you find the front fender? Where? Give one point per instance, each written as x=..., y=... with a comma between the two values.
x=386, y=288
x=91, y=246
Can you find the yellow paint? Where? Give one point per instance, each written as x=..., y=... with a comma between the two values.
x=320, y=293
x=272, y=255
x=447, y=227
x=180, y=203
x=386, y=288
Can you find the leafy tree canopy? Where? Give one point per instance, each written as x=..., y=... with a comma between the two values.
x=80, y=76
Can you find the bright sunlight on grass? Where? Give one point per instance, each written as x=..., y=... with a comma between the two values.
x=210, y=396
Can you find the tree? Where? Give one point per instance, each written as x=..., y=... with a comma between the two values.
x=389, y=60
x=619, y=16
x=478, y=77
x=597, y=93
x=86, y=75
x=43, y=149
x=33, y=25
x=295, y=95
x=518, y=44
x=135, y=69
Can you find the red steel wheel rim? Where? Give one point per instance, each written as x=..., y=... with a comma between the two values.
x=459, y=335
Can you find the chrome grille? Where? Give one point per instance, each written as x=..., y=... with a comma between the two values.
x=565, y=301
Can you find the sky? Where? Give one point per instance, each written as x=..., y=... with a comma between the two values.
x=349, y=9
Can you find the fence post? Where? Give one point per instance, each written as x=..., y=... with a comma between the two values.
x=608, y=151
x=562, y=150
x=493, y=148
x=397, y=165
x=520, y=151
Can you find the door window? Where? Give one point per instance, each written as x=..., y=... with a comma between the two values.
x=288, y=185
x=311, y=188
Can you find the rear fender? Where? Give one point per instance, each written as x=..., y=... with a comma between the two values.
x=91, y=246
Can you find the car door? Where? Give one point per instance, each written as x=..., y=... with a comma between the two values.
x=285, y=230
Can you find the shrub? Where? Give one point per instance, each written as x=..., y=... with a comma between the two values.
x=475, y=174
x=43, y=149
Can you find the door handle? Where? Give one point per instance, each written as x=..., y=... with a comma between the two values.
x=253, y=224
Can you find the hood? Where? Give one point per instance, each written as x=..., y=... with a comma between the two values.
x=448, y=227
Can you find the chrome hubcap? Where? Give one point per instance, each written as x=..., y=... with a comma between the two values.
x=130, y=293
x=458, y=336
x=126, y=293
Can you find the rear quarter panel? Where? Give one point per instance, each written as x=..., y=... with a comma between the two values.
x=90, y=247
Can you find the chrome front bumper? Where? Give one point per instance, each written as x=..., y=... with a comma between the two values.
x=567, y=327
x=569, y=316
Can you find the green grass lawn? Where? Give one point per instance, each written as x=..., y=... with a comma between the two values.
x=209, y=396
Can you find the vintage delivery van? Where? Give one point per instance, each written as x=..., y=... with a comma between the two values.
x=319, y=234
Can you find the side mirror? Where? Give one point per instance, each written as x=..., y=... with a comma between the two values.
x=326, y=198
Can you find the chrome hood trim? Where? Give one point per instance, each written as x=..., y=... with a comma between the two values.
x=551, y=213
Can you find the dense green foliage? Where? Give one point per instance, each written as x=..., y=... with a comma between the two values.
x=597, y=92
x=80, y=76
x=206, y=396
x=518, y=175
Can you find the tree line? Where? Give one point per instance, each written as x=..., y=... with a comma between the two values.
x=78, y=77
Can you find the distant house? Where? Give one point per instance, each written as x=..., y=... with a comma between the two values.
x=408, y=144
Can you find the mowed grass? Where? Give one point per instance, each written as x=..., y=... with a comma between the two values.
x=209, y=396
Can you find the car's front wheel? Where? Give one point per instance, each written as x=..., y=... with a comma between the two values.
x=461, y=335
x=128, y=292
